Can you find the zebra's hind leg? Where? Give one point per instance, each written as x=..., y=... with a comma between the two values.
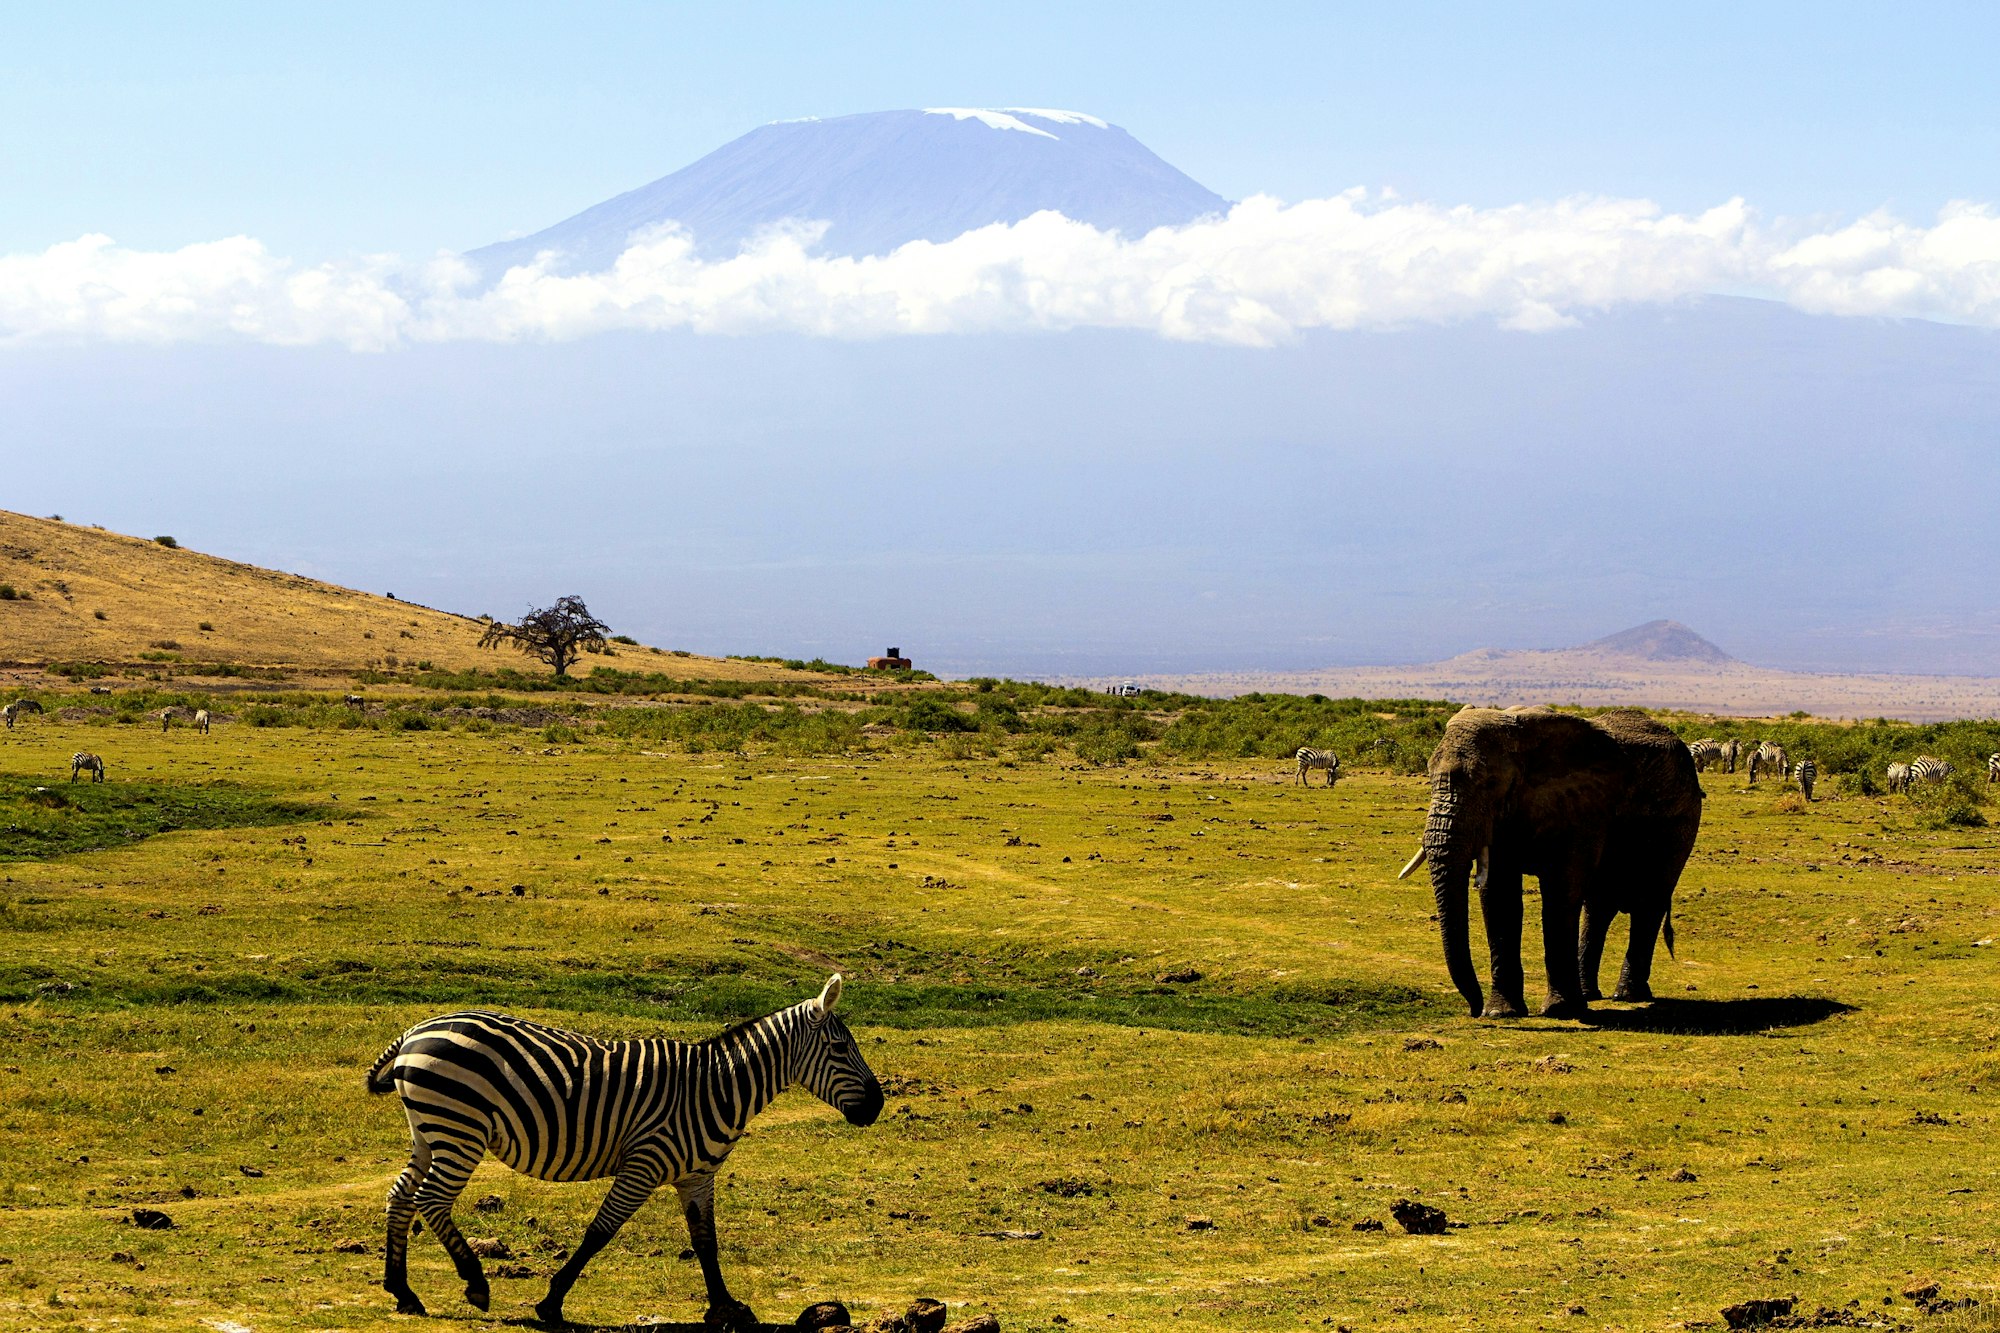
x=450, y=1168
x=402, y=1212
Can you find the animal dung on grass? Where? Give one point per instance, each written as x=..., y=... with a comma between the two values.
x=1419, y=1219
x=1750, y=1314
x=1178, y=977
x=924, y=1315
x=823, y=1314
x=1201, y=1224
x=151, y=1219
x=1422, y=1044
x=488, y=1248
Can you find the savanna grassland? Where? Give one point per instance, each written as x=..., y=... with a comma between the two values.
x=1160, y=1029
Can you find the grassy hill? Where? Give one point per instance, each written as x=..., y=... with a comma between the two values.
x=77, y=594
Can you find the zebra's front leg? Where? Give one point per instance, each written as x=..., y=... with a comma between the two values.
x=698, y=1205
x=634, y=1185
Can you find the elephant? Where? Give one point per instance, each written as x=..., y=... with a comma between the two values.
x=1603, y=811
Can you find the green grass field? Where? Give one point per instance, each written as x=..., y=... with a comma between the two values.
x=185, y=1019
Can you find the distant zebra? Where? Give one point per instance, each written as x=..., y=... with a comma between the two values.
x=1926, y=768
x=83, y=761
x=1769, y=756
x=1993, y=767
x=1310, y=759
x=201, y=720
x=1732, y=753
x=1807, y=772
x=557, y=1105
x=354, y=701
x=166, y=717
x=1706, y=751
x=1899, y=777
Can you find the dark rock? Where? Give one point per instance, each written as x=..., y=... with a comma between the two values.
x=255, y=1173
x=1752, y=1313
x=1368, y=1224
x=151, y=1219
x=924, y=1315
x=488, y=1248
x=823, y=1314
x=1683, y=1176
x=1418, y=1219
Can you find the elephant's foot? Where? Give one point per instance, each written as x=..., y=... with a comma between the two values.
x=730, y=1314
x=1502, y=1006
x=477, y=1295
x=1564, y=1006
x=1590, y=993
x=1634, y=992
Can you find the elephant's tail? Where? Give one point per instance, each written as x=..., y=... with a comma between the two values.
x=1667, y=931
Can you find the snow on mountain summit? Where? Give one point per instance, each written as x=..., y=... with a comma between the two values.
x=882, y=179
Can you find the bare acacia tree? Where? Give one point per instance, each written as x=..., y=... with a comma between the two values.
x=558, y=634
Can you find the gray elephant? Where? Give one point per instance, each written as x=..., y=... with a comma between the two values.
x=1603, y=811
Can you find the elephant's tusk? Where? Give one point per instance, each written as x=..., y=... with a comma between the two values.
x=1415, y=861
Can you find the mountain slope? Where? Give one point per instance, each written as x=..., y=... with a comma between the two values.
x=882, y=179
x=1659, y=641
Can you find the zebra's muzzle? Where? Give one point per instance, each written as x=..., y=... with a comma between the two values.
x=864, y=1109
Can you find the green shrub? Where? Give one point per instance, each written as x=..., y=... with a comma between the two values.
x=168, y=542
x=9, y=593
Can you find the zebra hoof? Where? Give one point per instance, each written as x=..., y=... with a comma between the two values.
x=550, y=1312
x=735, y=1315
x=477, y=1295
x=408, y=1303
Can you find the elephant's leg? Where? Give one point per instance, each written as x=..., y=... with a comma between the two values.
x=1500, y=904
x=698, y=1203
x=1562, y=902
x=1597, y=915
x=1634, y=980
x=634, y=1185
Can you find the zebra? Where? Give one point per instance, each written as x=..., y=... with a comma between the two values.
x=1732, y=752
x=1899, y=777
x=166, y=717
x=1768, y=755
x=561, y=1106
x=1310, y=759
x=1926, y=768
x=1993, y=767
x=353, y=701
x=1806, y=773
x=201, y=720
x=1706, y=751
x=18, y=707
x=83, y=761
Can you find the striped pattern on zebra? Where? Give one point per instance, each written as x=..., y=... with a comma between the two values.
x=18, y=707
x=558, y=1105
x=1310, y=759
x=83, y=761
x=1706, y=751
x=1899, y=777
x=1769, y=756
x=1807, y=773
x=1993, y=767
x=1928, y=768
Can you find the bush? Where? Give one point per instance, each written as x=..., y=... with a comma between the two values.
x=206, y=628
x=935, y=716
x=8, y=593
x=1953, y=803
x=168, y=542
x=625, y=639
x=99, y=615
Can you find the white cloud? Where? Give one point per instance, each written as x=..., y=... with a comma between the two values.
x=1266, y=272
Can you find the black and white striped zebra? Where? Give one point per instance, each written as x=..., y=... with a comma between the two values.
x=1309, y=759
x=353, y=701
x=83, y=761
x=1807, y=773
x=1928, y=768
x=1769, y=756
x=1898, y=777
x=201, y=720
x=1705, y=751
x=18, y=707
x=1993, y=767
x=557, y=1105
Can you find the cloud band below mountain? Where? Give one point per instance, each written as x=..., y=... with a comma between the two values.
x=1264, y=273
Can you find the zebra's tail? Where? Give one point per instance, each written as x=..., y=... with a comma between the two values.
x=1667, y=931
x=380, y=1081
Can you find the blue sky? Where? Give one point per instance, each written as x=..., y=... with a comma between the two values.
x=330, y=131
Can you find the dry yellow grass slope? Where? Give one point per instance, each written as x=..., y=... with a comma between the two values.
x=83, y=594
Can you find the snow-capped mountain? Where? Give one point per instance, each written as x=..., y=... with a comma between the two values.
x=884, y=178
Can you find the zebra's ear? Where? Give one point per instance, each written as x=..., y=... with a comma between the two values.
x=830, y=996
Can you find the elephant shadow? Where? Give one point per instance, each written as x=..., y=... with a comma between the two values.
x=1722, y=1018
x=571, y=1326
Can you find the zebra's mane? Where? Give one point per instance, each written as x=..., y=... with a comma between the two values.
x=729, y=1035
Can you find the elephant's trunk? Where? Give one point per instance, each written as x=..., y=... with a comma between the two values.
x=1449, y=848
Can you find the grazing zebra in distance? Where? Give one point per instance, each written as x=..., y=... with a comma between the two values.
x=1806, y=773
x=83, y=761
x=1993, y=767
x=1770, y=756
x=558, y=1105
x=1706, y=751
x=1927, y=768
x=201, y=720
x=1310, y=759
x=166, y=717
x=18, y=707
x=354, y=701
x=1899, y=777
